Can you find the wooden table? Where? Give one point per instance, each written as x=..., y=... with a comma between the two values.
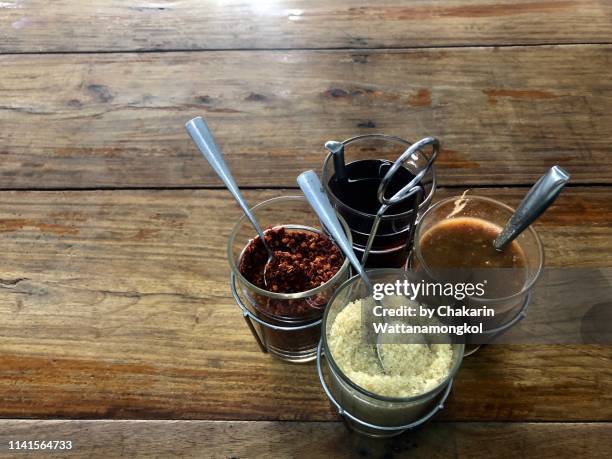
x=118, y=329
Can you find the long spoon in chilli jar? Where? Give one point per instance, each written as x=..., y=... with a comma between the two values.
x=203, y=138
x=537, y=200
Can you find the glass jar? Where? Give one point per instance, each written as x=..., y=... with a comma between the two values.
x=392, y=243
x=509, y=308
x=366, y=412
x=293, y=334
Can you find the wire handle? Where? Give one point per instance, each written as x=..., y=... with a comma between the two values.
x=399, y=162
x=410, y=190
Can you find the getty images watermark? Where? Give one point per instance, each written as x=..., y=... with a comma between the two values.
x=567, y=306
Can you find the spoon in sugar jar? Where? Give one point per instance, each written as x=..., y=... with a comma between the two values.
x=537, y=200
x=203, y=138
x=318, y=200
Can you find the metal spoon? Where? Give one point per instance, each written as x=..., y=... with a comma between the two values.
x=203, y=138
x=537, y=200
x=313, y=190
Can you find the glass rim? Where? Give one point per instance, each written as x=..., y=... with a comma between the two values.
x=540, y=248
x=275, y=295
x=457, y=347
x=427, y=199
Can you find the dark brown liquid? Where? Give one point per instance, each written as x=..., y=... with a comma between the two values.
x=359, y=192
x=360, y=189
x=464, y=245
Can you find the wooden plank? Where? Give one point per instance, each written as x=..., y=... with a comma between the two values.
x=309, y=439
x=69, y=25
x=503, y=115
x=116, y=304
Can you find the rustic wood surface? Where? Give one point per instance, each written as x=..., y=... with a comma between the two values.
x=114, y=302
x=121, y=309
x=116, y=120
x=98, y=25
x=311, y=439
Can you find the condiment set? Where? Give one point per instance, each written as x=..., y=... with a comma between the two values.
x=376, y=215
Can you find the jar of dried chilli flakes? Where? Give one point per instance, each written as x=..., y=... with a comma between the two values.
x=284, y=309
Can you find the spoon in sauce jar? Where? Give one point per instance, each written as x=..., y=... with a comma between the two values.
x=537, y=200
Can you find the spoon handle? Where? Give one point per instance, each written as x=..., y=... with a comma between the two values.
x=313, y=190
x=537, y=200
x=203, y=138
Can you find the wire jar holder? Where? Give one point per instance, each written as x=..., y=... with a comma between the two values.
x=252, y=321
x=499, y=330
x=388, y=430
x=286, y=325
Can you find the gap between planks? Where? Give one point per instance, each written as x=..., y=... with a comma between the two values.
x=331, y=48
x=280, y=187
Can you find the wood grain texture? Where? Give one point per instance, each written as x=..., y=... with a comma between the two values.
x=92, y=439
x=70, y=25
x=115, y=304
x=117, y=120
